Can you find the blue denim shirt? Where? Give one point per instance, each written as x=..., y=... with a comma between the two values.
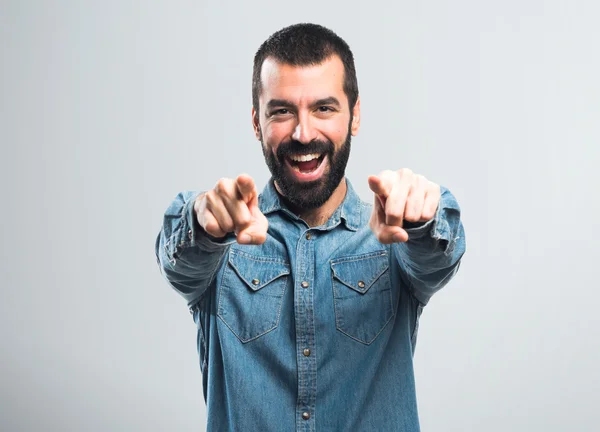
x=315, y=329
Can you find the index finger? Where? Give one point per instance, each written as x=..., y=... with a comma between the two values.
x=246, y=187
x=380, y=186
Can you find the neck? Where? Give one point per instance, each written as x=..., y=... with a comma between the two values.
x=320, y=215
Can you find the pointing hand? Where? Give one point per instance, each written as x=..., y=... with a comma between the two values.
x=401, y=196
x=232, y=206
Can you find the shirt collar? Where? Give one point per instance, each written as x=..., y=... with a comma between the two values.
x=349, y=211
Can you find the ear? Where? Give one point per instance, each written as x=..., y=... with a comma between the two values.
x=256, y=124
x=355, y=118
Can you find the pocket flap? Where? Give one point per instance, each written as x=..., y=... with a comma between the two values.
x=257, y=271
x=359, y=272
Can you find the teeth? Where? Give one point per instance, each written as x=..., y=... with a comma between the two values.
x=305, y=158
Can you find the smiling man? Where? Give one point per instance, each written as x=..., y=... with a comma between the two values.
x=306, y=299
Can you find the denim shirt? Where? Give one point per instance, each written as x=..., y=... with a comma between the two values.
x=316, y=328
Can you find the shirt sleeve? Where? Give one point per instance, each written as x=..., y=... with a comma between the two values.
x=187, y=256
x=432, y=254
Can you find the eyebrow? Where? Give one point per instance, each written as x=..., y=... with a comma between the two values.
x=282, y=103
x=327, y=101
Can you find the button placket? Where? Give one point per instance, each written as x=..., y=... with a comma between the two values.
x=305, y=329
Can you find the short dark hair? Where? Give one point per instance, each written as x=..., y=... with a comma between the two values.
x=303, y=45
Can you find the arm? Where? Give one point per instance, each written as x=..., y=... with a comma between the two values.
x=198, y=228
x=188, y=257
x=432, y=254
x=421, y=220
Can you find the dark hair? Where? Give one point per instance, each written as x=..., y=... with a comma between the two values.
x=303, y=45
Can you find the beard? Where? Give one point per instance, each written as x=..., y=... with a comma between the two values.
x=313, y=194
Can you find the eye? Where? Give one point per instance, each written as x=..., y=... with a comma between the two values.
x=281, y=111
x=325, y=109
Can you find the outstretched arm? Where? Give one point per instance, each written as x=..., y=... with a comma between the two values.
x=422, y=222
x=197, y=229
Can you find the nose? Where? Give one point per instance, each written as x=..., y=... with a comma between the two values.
x=304, y=131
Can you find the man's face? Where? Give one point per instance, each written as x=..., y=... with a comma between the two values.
x=305, y=127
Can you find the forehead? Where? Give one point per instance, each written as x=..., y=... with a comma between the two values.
x=282, y=80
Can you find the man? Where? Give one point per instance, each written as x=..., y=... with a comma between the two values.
x=307, y=299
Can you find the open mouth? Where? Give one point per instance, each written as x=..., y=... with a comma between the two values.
x=306, y=164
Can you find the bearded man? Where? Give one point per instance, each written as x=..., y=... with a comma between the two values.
x=306, y=299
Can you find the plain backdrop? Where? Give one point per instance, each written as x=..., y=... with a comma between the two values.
x=109, y=108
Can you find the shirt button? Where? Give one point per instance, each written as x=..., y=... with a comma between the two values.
x=304, y=284
x=361, y=284
x=190, y=234
x=255, y=281
x=308, y=236
x=305, y=415
x=306, y=352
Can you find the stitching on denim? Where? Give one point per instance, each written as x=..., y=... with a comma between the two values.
x=314, y=375
x=411, y=287
x=259, y=258
x=338, y=326
x=384, y=268
x=220, y=308
x=374, y=337
x=260, y=286
x=337, y=311
x=246, y=340
x=353, y=258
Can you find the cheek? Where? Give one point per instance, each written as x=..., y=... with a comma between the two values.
x=337, y=133
x=273, y=134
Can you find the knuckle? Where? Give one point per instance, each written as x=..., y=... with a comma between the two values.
x=213, y=229
x=222, y=187
x=395, y=214
x=412, y=217
x=242, y=222
x=227, y=225
x=431, y=186
x=198, y=203
x=405, y=172
x=211, y=197
x=428, y=214
x=394, y=221
x=419, y=181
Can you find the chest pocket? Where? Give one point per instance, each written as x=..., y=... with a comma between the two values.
x=251, y=294
x=362, y=295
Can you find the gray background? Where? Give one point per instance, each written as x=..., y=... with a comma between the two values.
x=108, y=109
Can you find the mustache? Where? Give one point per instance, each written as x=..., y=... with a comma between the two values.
x=292, y=147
